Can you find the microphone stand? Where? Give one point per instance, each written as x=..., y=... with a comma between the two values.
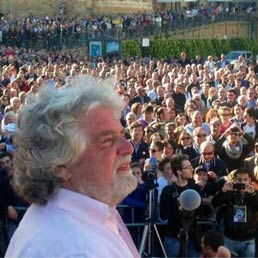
x=187, y=219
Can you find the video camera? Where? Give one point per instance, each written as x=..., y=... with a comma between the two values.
x=150, y=176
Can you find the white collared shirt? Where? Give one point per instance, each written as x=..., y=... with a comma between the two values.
x=71, y=225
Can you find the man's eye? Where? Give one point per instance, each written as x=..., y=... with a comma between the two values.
x=107, y=141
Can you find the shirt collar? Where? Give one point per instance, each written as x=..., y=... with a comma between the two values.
x=80, y=204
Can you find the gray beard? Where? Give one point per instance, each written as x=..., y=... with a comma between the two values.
x=113, y=194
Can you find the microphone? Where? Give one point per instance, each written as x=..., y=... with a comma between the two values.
x=189, y=200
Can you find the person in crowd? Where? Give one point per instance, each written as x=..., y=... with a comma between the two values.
x=169, y=207
x=140, y=97
x=200, y=105
x=197, y=121
x=225, y=116
x=183, y=61
x=207, y=189
x=215, y=127
x=250, y=125
x=169, y=149
x=166, y=175
x=232, y=149
x=215, y=167
x=147, y=134
x=242, y=100
x=126, y=110
x=10, y=202
x=212, y=244
x=222, y=94
x=212, y=95
x=136, y=199
x=241, y=205
x=147, y=115
x=199, y=136
x=185, y=141
x=162, y=117
x=179, y=98
x=73, y=165
x=231, y=99
x=222, y=63
x=212, y=113
x=238, y=112
x=251, y=162
x=155, y=150
x=136, y=108
x=251, y=97
x=129, y=119
x=181, y=120
x=141, y=148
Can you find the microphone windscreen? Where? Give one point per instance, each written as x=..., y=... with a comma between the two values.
x=189, y=200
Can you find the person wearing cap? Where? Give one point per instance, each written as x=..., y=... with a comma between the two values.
x=207, y=189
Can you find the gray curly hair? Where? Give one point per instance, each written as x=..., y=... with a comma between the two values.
x=49, y=133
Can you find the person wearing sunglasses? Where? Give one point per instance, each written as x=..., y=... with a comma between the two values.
x=185, y=142
x=225, y=116
x=215, y=166
x=199, y=136
x=234, y=146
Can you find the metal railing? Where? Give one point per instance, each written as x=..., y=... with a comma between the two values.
x=68, y=40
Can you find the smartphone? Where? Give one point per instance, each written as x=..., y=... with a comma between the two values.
x=239, y=186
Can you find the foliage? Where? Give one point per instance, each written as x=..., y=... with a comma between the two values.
x=170, y=47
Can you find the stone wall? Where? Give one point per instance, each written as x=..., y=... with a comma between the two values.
x=74, y=7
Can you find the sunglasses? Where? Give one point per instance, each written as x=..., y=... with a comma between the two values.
x=186, y=138
x=236, y=133
x=153, y=151
x=207, y=153
x=201, y=135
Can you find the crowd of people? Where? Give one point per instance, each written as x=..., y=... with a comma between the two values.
x=57, y=30
x=196, y=117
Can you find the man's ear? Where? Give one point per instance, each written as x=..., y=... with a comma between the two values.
x=62, y=172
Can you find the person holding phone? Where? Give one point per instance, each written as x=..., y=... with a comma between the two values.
x=240, y=201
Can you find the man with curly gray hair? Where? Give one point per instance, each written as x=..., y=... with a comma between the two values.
x=73, y=165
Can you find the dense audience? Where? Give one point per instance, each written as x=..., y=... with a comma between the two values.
x=24, y=32
x=197, y=119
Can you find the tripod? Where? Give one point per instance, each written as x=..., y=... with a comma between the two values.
x=147, y=236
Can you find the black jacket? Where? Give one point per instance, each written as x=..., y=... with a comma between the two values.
x=238, y=231
x=216, y=165
x=141, y=153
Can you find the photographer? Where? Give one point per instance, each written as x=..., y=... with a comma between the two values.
x=234, y=146
x=241, y=204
